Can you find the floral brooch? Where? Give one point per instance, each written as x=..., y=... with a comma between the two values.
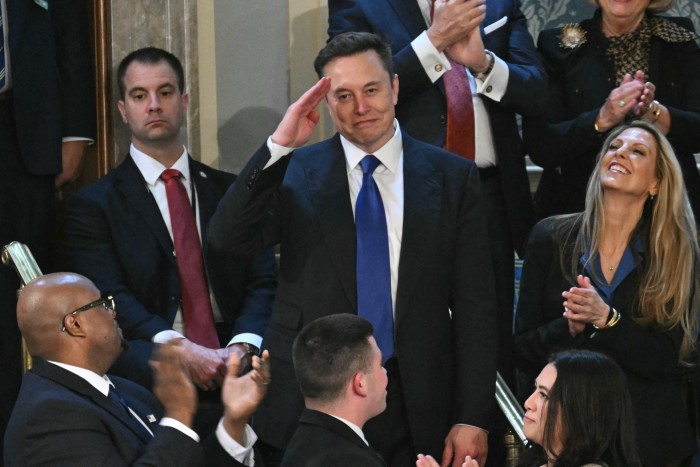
x=572, y=36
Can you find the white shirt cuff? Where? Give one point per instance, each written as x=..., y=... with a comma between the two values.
x=181, y=427
x=434, y=62
x=67, y=139
x=244, y=453
x=248, y=338
x=277, y=152
x=163, y=337
x=495, y=85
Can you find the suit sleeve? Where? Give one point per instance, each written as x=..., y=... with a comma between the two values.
x=473, y=308
x=90, y=251
x=557, y=136
x=527, y=81
x=249, y=217
x=75, y=67
x=539, y=327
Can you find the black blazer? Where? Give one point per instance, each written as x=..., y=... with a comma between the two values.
x=302, y=202
x=53, y=80
x=116, y=236
x=61, y=420
x=563, y=140
x=648, y=357
x=422, y=108
x=324, y=441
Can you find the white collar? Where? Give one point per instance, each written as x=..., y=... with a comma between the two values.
x=151, y=168
x=389, y=154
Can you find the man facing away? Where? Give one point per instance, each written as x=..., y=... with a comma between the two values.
x=339, y=369
x=70, y=413
x=375, y=223
x=128, y=233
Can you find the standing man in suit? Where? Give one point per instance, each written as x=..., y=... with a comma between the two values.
x=505, y=76
x=47, y=117
x=339, y=369
x=122, y=232
x=69, y=412
x=438, y=331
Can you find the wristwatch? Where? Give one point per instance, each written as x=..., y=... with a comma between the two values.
x=250, y=349
x=482, y=76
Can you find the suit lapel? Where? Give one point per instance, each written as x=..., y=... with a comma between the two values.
x=410, y=16
x=77, y=384
x=327, y=180
x=207, y=199
x=422, y=205
x=131, y=184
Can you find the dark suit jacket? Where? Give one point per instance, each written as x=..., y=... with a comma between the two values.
x=324, y=441
x=648, y=357
x=52, y=79
x=422, y=108
x=302, y=202
x=116, y=236
x=564, y=141
x=61, y=420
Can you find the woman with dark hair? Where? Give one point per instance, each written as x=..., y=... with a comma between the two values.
x=624, y=62
x=580, y=414
x=620, y=278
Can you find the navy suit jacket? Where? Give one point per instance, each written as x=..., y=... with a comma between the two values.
x=53, y=83
x=447, y=360
x=324, y=441
x=422, y=108
x=62, y=420
x=116, y=236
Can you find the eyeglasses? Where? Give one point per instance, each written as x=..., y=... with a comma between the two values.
x=105, y=302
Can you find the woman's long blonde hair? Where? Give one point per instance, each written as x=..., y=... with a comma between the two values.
x=667, y=288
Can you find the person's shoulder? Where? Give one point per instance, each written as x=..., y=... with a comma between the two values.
x=216, y=175
x=683, y=22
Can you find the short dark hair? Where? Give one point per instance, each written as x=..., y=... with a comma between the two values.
x=591, y=399
x=329, y=351
x=151, y=56
x=353, y=43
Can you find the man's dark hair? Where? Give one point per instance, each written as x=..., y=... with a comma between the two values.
x=329, y=351
x=353, y=43
x=150, y=56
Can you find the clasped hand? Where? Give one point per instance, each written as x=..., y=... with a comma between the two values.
x=583, y=305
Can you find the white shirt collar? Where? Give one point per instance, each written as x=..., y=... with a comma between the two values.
x=151, y=168
x=353, y=427
x=101, y=383
x=389, y=154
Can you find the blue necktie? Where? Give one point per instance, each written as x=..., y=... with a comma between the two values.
x=3, y=52
x=373, y=272
x=114, y=396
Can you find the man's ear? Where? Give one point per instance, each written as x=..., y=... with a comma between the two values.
x=359, y=385
x=73, y=325
x=120, y=106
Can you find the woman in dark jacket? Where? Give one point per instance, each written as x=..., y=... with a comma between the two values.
x=619, y=278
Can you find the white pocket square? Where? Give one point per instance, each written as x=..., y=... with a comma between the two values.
x=493, y=26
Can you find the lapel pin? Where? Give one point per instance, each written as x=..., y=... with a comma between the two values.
x=202, y=174
x=151, y=418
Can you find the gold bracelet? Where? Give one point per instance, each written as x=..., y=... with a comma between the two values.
x=611, y=322
x=657, y=111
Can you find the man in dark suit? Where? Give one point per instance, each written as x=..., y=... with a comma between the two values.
x=119, y=234
x=70, y=413
x=506, y=76
x=442, y=368
x=339, y=369
x=47, y=117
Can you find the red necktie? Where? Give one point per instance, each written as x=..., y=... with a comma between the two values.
x=196, y=306
x=460, y=109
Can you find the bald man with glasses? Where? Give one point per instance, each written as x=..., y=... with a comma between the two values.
x=69, y=412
